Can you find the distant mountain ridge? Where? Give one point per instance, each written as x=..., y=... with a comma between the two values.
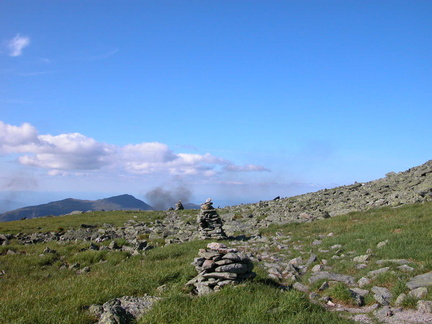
x=66, y=206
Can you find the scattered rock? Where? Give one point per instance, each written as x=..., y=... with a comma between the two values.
x=317, y=268
x=418, y=293
x=396, y=261
x=400, y=299
x=124, y=310
x=382, y=295
x=325, y=285
x=362, y=258
x=422, y=280
x=382, y=244
x=363, y=282
x=424, y=306
x=331, y=276
x=83, y=270
x=361, y=292
x=385, y=311
x=405, y=268
x=375, y=273
x=361, y=266
x=300, y=287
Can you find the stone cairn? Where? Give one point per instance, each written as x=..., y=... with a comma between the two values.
x=218, y=266
x=210, y=223
x=179, y=205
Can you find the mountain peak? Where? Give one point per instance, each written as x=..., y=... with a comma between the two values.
x=68, y=205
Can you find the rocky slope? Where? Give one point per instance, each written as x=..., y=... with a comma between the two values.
x=411, y=186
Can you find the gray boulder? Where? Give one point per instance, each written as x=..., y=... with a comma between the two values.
x=422, y=280
x=124, y=310
x=382, y=295
x=331, y=276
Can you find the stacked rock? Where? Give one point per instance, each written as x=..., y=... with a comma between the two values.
x=210, y=223
x=219, y=266
x=179, y=205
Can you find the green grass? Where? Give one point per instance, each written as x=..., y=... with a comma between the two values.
x=408, y=230
x=255, y=302
x=40, y=288
x=98, y=218
x=35, y=290
x=340, y=293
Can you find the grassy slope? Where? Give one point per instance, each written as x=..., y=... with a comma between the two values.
x=407, y=229
x=98, y=218
x=34, y=290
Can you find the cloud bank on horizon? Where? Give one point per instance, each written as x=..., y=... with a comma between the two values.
x=64, y=153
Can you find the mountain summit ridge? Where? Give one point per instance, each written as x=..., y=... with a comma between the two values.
x=68, y=205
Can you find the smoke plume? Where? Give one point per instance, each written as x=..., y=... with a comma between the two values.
x=12, y=186
x=162, y=199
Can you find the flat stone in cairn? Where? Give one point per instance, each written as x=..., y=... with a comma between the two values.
x=218, y=266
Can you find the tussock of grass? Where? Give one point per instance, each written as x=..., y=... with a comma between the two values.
x=341, y=294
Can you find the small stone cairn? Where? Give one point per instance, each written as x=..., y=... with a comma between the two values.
x=218, y=266
x=210, y=223
x=179, y=205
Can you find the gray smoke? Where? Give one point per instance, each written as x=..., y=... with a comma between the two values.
x=162, y=199
x=13, y=186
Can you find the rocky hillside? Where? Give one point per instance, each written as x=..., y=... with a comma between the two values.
x=411, y=186
x=396, y=189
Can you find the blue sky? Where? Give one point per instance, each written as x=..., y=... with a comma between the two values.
x=236, y=100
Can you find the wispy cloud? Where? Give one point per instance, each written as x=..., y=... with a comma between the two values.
x=244, y=168
x=17, y=44
x=74, y=152
x=45, y=60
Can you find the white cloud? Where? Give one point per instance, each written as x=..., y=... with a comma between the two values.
x=74, y=151
x=55, y=173
x=197, y=158
x=148, y=153
x=68, y=152
x=159, y=159
x=62, y=152
x=15, y=138
x=244, y=168
x=17, y=44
